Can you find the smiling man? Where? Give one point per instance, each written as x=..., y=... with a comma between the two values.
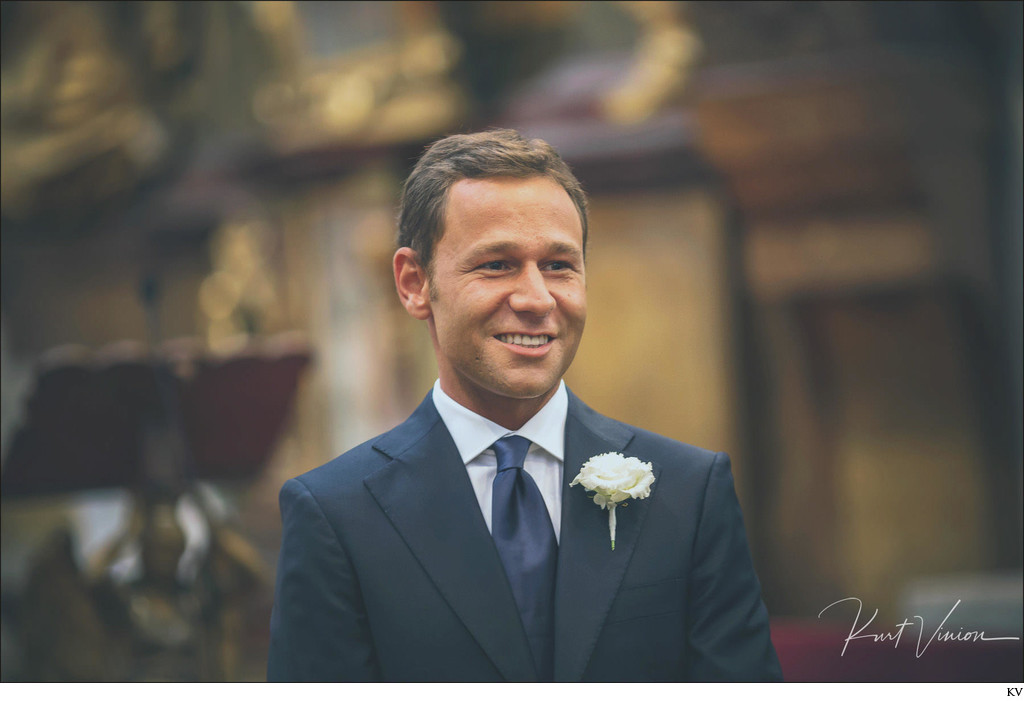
x=452, y=548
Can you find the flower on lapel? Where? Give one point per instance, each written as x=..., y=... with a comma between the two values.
x=614, y=478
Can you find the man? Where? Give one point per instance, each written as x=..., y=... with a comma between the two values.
x=452, y=547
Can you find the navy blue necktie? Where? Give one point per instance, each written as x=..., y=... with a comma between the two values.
x=522, y=531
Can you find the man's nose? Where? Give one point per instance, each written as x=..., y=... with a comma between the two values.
x=531, y=293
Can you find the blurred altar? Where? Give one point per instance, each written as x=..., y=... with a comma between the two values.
x=805, y=250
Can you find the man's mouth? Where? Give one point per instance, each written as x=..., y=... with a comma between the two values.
x=517, y=339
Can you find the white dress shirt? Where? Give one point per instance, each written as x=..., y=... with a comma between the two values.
x=474, y=435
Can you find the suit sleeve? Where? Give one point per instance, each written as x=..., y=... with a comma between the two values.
x=318, y=628
x=729, y=637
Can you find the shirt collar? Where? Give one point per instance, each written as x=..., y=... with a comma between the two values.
x=473, y=434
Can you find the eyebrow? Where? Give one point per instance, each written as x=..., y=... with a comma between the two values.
x=557, y=248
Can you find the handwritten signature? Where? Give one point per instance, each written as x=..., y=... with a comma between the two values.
x=941, y=633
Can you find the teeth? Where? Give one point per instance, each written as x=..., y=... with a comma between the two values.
x=525, y=341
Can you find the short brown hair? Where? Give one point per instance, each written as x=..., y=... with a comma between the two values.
x=486, y=154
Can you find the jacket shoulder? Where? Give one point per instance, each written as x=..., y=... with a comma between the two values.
x=678, y=450
x=348, y=470
x=640, y=442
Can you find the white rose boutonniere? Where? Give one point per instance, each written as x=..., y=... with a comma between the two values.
x=614, y=478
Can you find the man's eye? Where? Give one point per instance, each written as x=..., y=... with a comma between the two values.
x=495, y=265
x=559, y=265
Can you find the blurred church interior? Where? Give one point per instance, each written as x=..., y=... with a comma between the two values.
x=806, y=250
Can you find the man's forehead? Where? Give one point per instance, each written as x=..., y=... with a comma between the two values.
x=501, y=214
x=485, y=198
x=502, y=187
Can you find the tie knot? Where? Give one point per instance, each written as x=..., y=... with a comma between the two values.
x=511, y=451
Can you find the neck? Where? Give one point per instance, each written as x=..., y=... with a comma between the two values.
x=508, y=412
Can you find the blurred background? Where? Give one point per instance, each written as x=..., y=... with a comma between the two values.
x=806, y=250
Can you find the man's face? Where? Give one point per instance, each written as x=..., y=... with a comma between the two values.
x=507, y=292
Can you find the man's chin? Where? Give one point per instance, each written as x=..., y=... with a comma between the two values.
x=502, y=388
x=530, y=391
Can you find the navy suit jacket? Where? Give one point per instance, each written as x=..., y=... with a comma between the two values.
x=388, y=572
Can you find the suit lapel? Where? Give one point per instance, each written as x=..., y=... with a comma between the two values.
x=589, y=571
x=427, y=495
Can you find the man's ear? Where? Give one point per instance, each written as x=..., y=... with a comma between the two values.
x=412, y=283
